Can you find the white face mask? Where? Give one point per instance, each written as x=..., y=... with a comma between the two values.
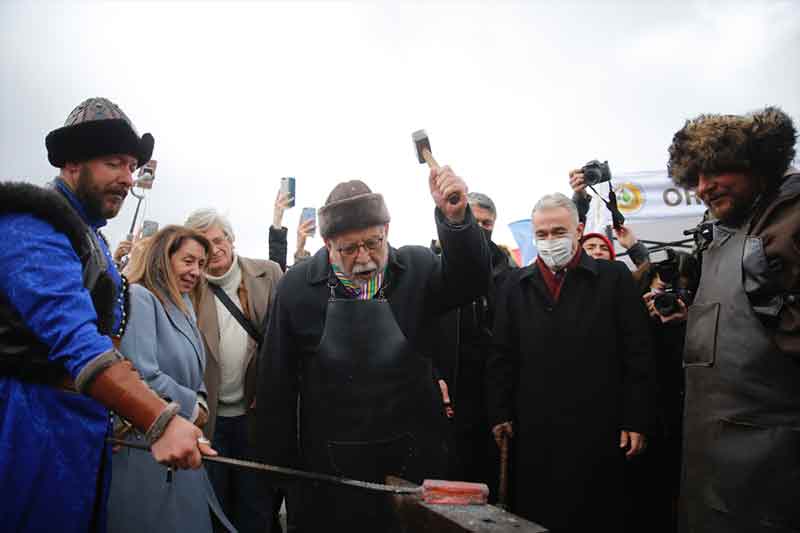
x=555, y=253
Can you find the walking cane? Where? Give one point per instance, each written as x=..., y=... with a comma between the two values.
x=502, y=490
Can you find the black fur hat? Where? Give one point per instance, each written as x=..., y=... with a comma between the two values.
x=351, y=205
x=759, y=143
x=97, y=127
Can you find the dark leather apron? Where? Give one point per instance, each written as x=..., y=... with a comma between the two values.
x=369, y=408
x=741, y=468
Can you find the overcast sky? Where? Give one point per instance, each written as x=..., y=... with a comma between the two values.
x=512, y=95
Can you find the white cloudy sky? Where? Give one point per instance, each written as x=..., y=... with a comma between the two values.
x=513, y=94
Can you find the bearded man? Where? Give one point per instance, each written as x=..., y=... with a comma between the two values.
x=349, y=335
x=571, y=378
x=741, y=468
x=61, y=301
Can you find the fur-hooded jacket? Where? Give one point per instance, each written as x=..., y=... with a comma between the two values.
x=762, y=145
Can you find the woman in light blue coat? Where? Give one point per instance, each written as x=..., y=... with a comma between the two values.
x=165, y=346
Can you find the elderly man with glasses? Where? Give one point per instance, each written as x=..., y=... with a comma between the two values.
x=349, y=335
x=231, y=317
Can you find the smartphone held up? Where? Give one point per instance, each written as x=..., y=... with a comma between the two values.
x=144, y=180
x=309, y=213
x=288, y=187
x=149, y=228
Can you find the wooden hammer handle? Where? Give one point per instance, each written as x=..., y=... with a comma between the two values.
x=502, y=491
x=428, y=157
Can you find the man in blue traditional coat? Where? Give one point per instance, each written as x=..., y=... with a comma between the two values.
x=61, y=302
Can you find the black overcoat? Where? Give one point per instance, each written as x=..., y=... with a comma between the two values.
x=571, y=375
x=420, y=287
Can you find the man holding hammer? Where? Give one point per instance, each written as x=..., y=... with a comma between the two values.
x=349, y=335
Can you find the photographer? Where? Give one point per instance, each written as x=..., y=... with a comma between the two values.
x=591, y=174
x=667, y=283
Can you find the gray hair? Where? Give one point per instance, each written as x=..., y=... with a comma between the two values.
x=208, y=217
x=554, y=201
x=481, y=200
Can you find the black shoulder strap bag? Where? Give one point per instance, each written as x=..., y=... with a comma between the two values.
x=248, y=326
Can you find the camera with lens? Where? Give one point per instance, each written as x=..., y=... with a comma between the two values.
x=595, y=172
x=702, y=234
x=678, y=272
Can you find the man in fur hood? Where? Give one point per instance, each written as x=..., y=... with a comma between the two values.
x=741, y=468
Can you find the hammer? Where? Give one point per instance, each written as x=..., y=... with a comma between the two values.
x=424, y=155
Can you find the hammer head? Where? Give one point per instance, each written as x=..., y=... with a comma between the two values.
x=421, y=142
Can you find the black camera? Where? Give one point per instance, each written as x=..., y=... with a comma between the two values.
x=702, y=234
x=667, y=264
x=595, y=172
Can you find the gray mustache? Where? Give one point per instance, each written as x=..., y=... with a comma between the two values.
x=368, y=267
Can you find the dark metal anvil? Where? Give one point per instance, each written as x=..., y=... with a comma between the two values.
x=418, y=516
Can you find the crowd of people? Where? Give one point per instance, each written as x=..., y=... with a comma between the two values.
x=664, y=399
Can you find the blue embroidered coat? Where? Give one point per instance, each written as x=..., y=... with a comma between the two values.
x=54, y=462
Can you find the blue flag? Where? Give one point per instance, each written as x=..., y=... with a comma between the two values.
x=523, y=234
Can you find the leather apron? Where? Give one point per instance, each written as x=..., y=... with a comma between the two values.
x=369, y=408
x=741, y=469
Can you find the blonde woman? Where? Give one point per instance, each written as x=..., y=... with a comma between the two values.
x=163, y=342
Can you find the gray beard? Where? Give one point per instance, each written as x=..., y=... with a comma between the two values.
x=358, y=269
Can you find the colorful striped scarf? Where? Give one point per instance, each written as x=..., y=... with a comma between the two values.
x=360, y=290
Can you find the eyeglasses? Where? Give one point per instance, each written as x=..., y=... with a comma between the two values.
x=370, y=245
x=219, y=241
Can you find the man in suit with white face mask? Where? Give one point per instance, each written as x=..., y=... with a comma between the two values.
x=570, y=378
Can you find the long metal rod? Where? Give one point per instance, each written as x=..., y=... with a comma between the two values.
x=135, y=213
x=290, y=473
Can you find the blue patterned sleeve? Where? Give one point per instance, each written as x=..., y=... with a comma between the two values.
x=42, y=278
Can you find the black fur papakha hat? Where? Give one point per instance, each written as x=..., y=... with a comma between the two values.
x=97, y=127
x=351, y=205
x=760, y=144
